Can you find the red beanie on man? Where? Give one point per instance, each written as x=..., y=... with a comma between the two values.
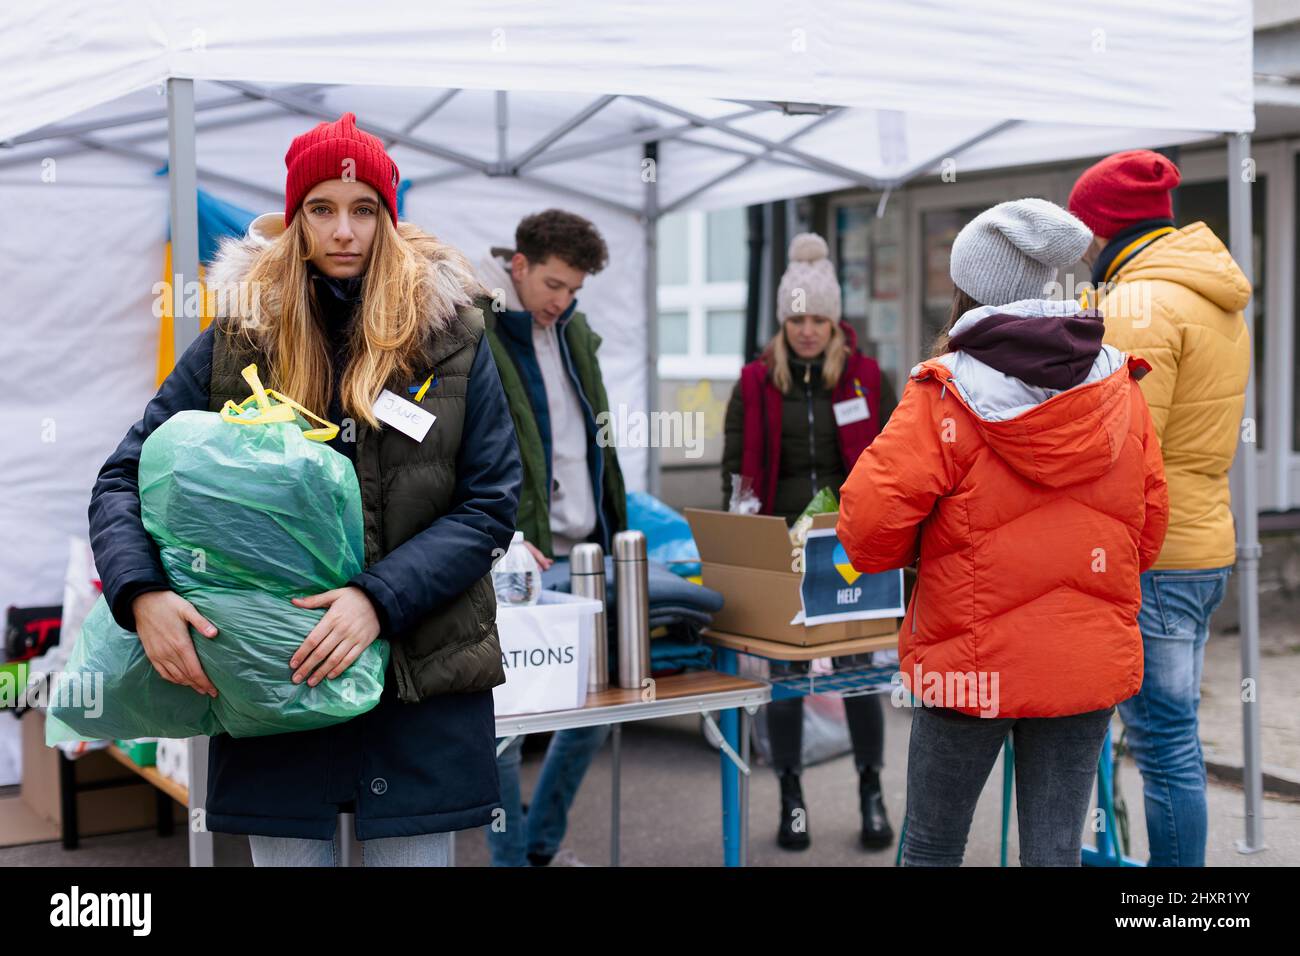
x=324, y=153
x=1125, y=188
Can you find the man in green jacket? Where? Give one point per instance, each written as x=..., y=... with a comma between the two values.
x=572, y=484
x=573, y=488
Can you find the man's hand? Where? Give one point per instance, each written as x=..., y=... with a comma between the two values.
x=348, y=628
x=543, y=561
x=162, y=620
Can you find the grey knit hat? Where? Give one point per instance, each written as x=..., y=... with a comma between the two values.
x=809, y=285
x=1013, y=251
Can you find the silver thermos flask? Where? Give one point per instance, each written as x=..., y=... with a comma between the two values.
x=587, y=579
x=631, y=583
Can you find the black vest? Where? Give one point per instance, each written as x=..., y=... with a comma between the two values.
x=405, y=487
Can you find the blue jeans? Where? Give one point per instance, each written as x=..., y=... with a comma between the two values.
x=426, y=849
x=1163, y=730
x=515, y=835
x=949, y=758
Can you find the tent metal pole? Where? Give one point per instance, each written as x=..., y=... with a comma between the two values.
x=764, y=155
x=1240, y=180
x=655, y=134
x=811, y=161
x=564, y=129
x=650, y=175
x=903, y=178
x=268, y=111
x=579, y=194
x=111, y=147
x=423, y=116
x=741, y=166
x=592, y=147
x=503, y=129
x=182, y=183
x=787, y=107
x=433, y=179
x=307, y=108
x=133, y=119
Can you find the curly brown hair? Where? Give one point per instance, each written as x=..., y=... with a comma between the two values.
x=564, y=234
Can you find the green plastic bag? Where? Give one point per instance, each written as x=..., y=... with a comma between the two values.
x=247, y=512
x=108, y=660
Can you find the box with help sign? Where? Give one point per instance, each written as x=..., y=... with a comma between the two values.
x=545, y=650
x=761, y=576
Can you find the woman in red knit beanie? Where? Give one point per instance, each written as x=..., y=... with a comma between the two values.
x=353, y=313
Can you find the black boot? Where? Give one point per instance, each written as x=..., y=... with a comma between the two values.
x=793, y=832
x=876, y=831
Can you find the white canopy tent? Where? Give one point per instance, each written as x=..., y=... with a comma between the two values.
x=495, y=109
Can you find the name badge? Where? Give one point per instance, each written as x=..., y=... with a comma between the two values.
x=408, y=418
x=852, y=410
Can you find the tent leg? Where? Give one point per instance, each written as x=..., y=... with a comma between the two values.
x=1240, y=179
x=182, y=181
x=650, y=174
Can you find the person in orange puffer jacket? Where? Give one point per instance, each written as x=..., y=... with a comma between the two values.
x=1021, y=472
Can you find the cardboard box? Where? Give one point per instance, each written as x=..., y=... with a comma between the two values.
x=750, y=561
x=98, y=811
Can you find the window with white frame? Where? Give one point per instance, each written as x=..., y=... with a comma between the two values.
x=702, y=294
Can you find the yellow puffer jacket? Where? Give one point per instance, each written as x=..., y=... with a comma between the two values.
x=1178, y=304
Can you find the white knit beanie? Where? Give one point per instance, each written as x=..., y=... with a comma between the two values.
x=809, y=285
x=1013, y=251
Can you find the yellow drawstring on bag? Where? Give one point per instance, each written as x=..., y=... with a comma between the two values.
x=269, y=414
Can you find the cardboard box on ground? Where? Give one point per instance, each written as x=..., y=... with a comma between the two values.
x=749, y=559
x=36, y=814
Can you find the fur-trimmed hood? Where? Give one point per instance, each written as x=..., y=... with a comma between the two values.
x=453, y=284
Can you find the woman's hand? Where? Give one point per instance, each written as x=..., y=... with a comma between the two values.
x=162, y=620
x=543, y=561
x=348, y=628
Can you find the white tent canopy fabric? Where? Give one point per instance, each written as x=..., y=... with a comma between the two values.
x=1015, y=59
x=913, y=81
x=498, y=108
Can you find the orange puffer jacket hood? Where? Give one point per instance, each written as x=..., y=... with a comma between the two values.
x=1032, y=512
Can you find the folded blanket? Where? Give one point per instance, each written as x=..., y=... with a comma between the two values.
x=668, y=653
x=662, y=615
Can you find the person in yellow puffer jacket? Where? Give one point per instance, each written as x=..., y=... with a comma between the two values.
x=1173, y=297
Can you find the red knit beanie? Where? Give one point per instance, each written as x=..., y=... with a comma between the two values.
x=1123, y=189
x=324, y=152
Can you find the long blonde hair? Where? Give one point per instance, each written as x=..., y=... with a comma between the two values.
x=777, y=356
x=385, y=341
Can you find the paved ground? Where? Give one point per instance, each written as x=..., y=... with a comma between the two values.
x=671, y=814
x=1279, y=703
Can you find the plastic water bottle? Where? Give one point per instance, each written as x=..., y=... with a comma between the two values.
x=516, y=577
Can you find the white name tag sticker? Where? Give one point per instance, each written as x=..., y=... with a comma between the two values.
x=852, y=410
x=407, y=417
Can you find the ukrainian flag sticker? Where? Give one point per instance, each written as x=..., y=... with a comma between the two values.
x=843, y=565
